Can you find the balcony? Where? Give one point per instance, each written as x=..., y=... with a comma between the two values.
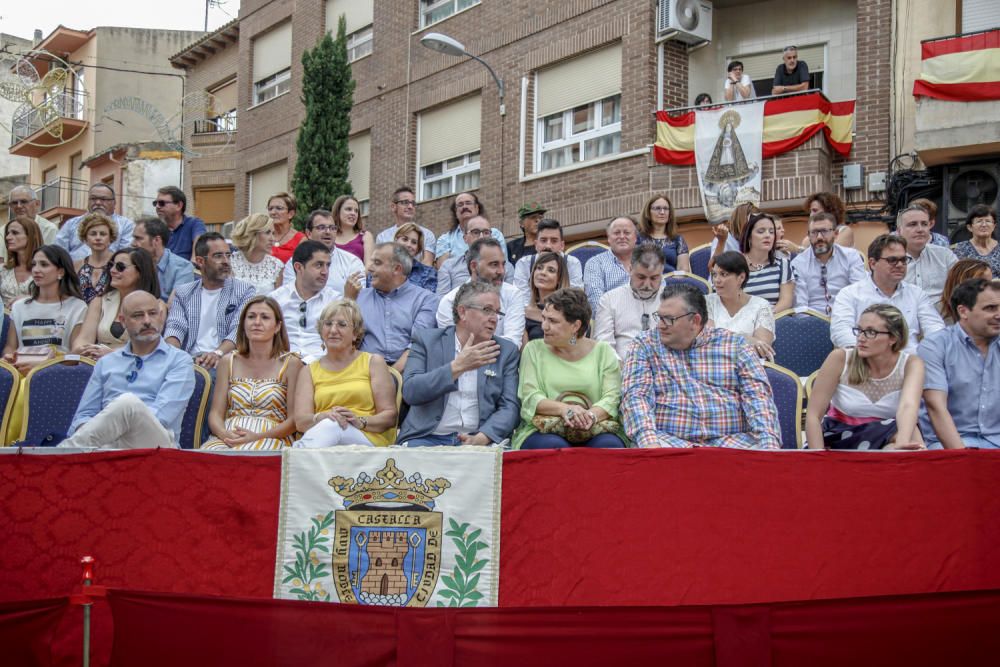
x=56, y=120
x=63, y=198
x=223, y=123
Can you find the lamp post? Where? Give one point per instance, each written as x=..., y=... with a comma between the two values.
x=450, y=46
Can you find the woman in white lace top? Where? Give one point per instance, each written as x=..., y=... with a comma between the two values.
x=253, y=262
x=733, y=309
x=867, y=397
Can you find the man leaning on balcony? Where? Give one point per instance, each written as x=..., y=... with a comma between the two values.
x=792, y=75
x=23, y=201
x=101, y=199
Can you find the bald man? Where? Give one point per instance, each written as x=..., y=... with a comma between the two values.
x=137, y=394
x=23, y=201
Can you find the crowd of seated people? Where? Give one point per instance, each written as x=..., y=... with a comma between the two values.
x=309, y=338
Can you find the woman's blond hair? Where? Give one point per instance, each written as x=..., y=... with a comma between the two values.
x=245, y=231
x=857, y=369
x=96, y=219
x=350, y=307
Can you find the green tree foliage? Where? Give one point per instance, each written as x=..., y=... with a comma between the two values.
x=323, y=155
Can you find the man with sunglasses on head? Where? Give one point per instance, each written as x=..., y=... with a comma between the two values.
x=888, y=261
x=101, y=199
x=689, y=385
x=137, y=394
x=824, y=267
x=205, y=313
x=404, y=209
x=171, y=208
x=302, y=299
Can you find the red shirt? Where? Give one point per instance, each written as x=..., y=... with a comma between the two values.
x=285, y=250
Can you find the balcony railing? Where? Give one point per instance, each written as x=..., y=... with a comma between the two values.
x=223, y=123
x=67, y=104
x=64, y=192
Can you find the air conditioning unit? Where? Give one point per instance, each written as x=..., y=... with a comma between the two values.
x=688, y=21
x=966, y=185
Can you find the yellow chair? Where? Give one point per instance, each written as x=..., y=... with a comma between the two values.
x=10, y=384
x=397, y=379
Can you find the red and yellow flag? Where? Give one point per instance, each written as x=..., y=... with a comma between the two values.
x=789, y=122
x=961, y=69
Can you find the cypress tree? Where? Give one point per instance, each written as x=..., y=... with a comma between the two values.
x=323, y=155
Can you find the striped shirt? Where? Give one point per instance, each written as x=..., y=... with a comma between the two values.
x=767, y=282
x=602, y=273
x=713, y=394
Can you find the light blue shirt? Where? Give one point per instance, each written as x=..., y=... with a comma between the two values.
x=392, y=317
x=69, y=239
x=954, y=365
x=453, y=242
x=601, y=274
x=164, y=383
x=173, y=270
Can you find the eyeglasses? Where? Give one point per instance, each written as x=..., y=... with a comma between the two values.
x=121, y=266
x=897, y=261
x=20, y=202
x=867, y=333
x=488, y=311
x=660, y=209
x=162, y=202
x=324, y=228
x=405, y=202
x=302, y=317
x=219, y=256
x=96, y=198
x=820, y=232
x=480, y=232
x=133, y=374
x=668, y=321
x=277, y=208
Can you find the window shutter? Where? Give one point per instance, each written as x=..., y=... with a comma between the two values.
x=272, y=52
x=587, y=78
x=360, y=167
x=450, y=130
x=265, y=183
x=359, y=13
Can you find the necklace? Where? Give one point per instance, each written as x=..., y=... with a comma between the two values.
x=281, y=240
x=756, y=267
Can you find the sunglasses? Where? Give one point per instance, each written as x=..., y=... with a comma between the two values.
x=121, y=266
x=162, y=202
x=302, y=317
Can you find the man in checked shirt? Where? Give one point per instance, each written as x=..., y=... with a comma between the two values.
x=686, y=385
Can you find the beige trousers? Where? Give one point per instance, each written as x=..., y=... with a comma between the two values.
x=126, y=423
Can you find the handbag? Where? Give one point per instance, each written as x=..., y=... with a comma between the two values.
x=557, y=426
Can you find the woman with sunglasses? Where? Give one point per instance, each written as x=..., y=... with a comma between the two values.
x=132, y=269
x=770, y=276
x=868, y=396
x=22, y=237
x=251, y=402
x=98, y=232
x=548, y=274
x=731, y=308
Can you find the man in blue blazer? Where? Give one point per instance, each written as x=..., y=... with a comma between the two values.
x=461, y=381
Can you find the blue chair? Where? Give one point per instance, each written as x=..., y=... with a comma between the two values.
x=687, y=279
x=584, y=250
x=4, y=329
x=787, y=391
x=194, y=414
x=699, y=257
x=10, y=381
x=52, y=392
x=801, y=341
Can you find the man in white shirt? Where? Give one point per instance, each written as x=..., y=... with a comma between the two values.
x=929, y=268
x=549, y=238
x=455, y=270
x=303, y=299
x=486, y=264
x=404, y=209
x=347, y=272
x=824, y=268
x=887, y=259
x=627, y=310
x=738, y=85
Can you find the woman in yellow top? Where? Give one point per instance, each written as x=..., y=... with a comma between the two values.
x=347, y=396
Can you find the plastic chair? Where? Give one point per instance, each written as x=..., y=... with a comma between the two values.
x=584, y=250
x=699, y=257
x=687, y=279
x=10, y=381
x=801, y=341
x=52, y=393
x=787, y=390
x=192, y=424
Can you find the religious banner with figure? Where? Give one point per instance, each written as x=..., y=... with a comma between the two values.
x=390, y=527
x=727, y=148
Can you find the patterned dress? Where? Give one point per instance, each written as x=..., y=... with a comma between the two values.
x=90, y=289
x=258, y=405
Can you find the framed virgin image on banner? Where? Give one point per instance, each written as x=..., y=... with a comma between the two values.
x=728, y=154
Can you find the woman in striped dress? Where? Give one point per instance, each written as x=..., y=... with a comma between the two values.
x=770, y=276
x=251, y=406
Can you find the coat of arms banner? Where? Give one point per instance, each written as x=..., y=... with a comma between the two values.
x=390, y=527
x=727, y=149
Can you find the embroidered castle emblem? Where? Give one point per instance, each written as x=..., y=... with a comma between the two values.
x=387, y=541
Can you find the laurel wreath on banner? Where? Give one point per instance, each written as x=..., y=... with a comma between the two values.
x=308, y=568
x=460, y=586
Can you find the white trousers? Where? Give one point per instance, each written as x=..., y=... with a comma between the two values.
x=126, y=423
x=328, y=433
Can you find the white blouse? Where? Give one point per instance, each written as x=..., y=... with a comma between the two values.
x=261, y=275
x=756, y=314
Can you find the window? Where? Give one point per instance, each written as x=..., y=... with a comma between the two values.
x=760, y=67
x=579, y=110
x=358, y=171
x=272, y=63
x=432, y=11
x=449, y=148
x=265, y=183
x=359, y=15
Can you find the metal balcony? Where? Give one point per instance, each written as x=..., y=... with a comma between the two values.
x=56, y=120
x=63, y=196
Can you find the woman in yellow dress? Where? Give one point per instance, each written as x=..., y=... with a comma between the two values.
x=347, y=396
x=252, y=404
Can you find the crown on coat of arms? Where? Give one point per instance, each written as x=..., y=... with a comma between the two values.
x=389, y=486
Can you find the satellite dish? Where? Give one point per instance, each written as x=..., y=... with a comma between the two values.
x=688, y=14
x=973, y=187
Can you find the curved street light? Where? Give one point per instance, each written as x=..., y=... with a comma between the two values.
x=450, y=46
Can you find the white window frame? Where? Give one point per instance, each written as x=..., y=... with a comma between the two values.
x=278, y=83
x=428, y=7
x=363, y=207
x=360, y=43
x=449, y=176
x=579, y=139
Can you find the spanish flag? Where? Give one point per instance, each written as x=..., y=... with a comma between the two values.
x=961, y=69
x=789, y=122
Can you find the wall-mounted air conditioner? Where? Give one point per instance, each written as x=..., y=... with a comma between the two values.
x=966, y=185
x=688, y=21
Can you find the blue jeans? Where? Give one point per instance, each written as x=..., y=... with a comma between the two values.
x=553, y=441
x=431, y=440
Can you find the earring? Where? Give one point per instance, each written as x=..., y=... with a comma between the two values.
x=572, y=339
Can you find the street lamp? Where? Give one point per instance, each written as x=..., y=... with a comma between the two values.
x=450, y=46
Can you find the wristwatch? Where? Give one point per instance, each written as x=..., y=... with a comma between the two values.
x=364, y=422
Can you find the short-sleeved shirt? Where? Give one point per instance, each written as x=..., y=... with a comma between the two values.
x=672, y=249
x=767, y=282
x=47, y=323
x=782, y=77
x=182, y=238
